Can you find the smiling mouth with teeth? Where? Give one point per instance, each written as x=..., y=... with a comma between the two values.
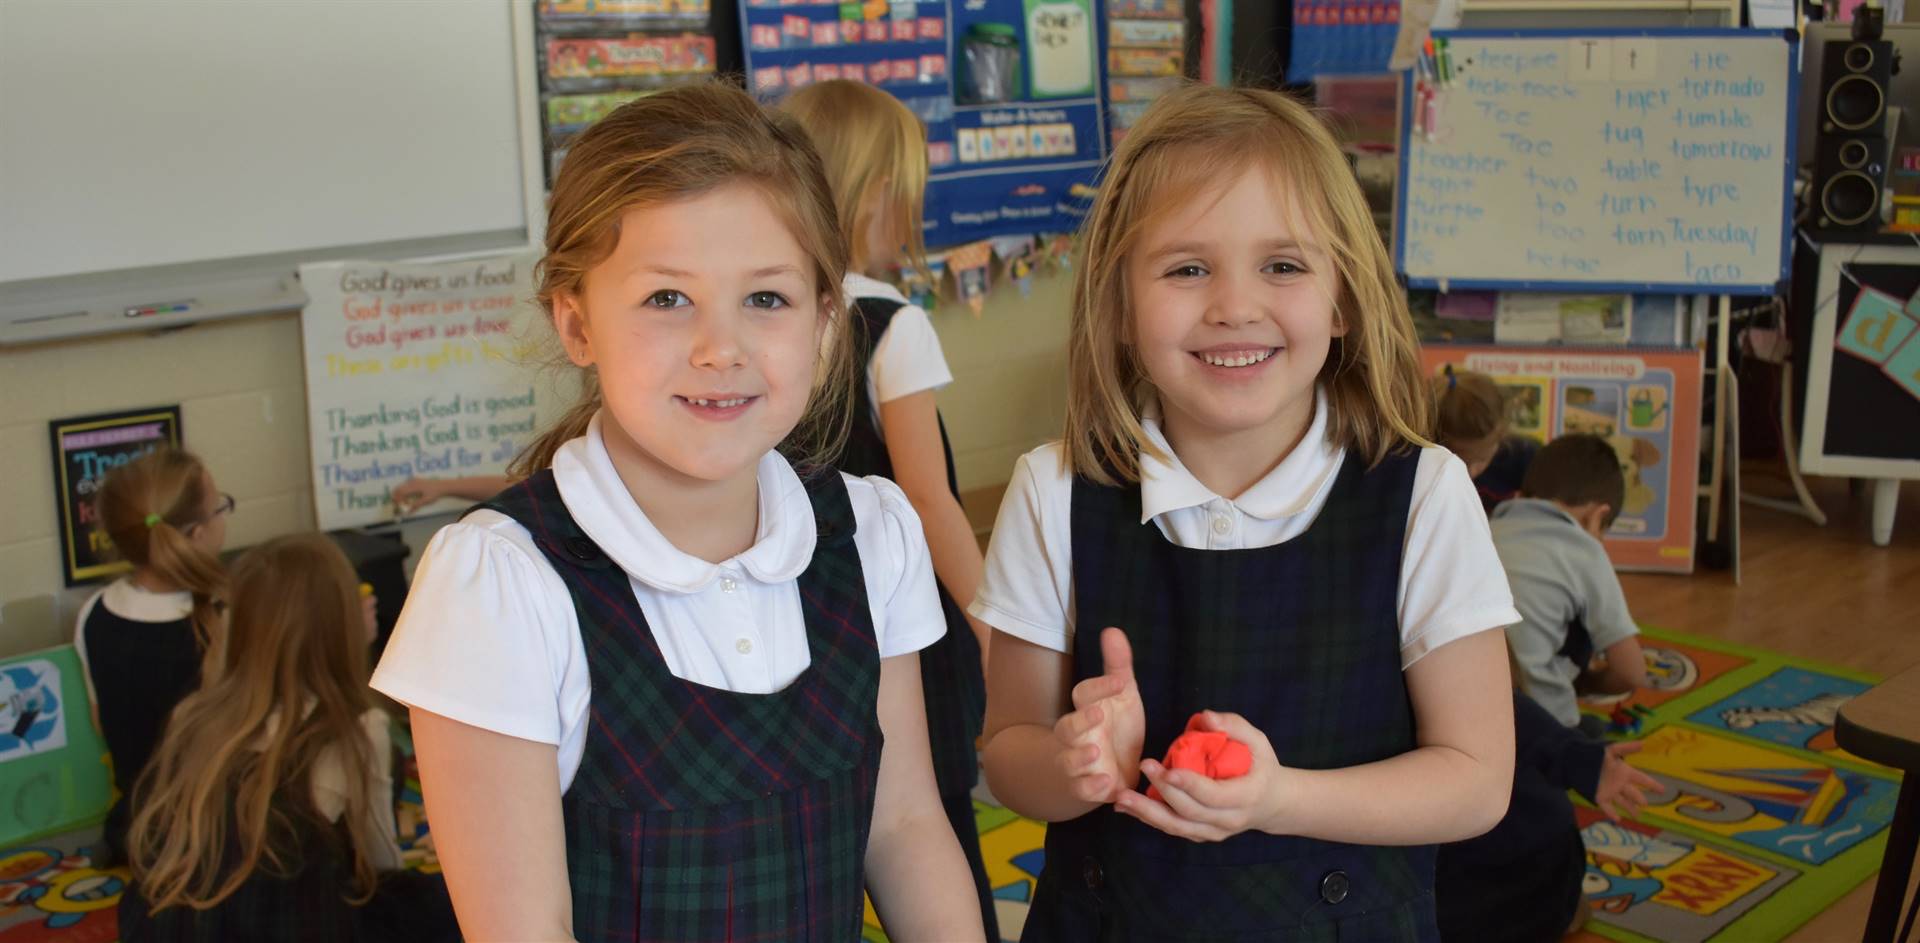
x=1245, y=358
x=719, y=403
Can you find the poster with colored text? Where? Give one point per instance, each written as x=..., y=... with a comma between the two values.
x=85, y=449
x=427, y=370
x=1644, y=402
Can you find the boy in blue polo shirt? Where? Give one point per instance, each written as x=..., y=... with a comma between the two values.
x=1570, y=602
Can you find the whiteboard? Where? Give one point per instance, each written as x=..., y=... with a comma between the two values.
x=1631, y=160
x=164, y=135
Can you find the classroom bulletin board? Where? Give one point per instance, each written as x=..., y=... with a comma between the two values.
x=1009, y=91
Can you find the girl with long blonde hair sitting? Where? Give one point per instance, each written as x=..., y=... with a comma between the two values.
x=267, y=810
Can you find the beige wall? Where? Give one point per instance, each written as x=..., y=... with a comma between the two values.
x=242, y=395
x=1009, y=389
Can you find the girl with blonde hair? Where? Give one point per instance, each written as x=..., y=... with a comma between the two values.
x=1246, y=529
x=267, y=812
x=874, y=151
x=666, y=686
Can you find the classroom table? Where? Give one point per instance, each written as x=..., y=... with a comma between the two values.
x=1883, y=725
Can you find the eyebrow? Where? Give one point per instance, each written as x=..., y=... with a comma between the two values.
x=766, y=272
x=1200, y=248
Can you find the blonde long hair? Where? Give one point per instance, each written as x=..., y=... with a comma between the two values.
x=677, y=144
x=1192, y=139
x=869, y=141
x=146, y=508
x=234, y=770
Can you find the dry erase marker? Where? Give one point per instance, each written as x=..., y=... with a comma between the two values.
x=1446, y=65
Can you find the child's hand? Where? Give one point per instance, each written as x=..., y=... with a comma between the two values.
x=1622, y=791
x=1197, y=808
x=1101, y=739
x=414, y=493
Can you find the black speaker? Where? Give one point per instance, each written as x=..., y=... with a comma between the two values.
x=1853, y=87
x=1850, y=151
x=1848, y=174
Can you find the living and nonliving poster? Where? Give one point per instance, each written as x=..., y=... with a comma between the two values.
x=1645, y=403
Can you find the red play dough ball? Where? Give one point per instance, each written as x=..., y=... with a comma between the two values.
x=1208, y=752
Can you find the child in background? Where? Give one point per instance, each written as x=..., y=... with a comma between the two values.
x=875, y=154
x=141, y=639
x=1570, y=601
x=267, y=813
x=666, y=686
x=1243, y=500
x=1521, y=882
x=1470, y=420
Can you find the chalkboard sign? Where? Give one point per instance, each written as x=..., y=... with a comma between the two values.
x=1653, y=160
x=84, y=451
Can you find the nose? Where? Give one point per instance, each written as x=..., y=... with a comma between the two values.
x=1235, y=300
x=717, y=341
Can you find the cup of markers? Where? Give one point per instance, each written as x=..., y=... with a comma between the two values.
x=1433, y=73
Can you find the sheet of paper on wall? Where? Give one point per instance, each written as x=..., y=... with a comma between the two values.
x=1528, y=318
x=1416, y=22
x=1771, y=14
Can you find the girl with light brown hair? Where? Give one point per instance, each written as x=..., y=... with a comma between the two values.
x=1245, y=529
x=141, y=638
x=666, y=687
x=874, y=151
x=1470, y=419
x=267, y=812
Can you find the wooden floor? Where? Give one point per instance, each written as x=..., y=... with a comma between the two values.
x=1824, y=593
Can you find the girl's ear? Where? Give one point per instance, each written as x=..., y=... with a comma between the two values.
x=570, y=322
x=1341, y=298
x=831, y=307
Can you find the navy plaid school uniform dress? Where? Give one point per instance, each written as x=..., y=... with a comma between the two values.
x=704, y=815
x=950, y=676
x=1303, y=638
x=306, y=903
x=302, y=900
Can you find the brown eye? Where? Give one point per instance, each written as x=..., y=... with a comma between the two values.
x=668, y=298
